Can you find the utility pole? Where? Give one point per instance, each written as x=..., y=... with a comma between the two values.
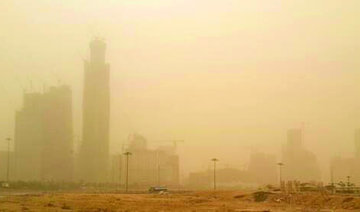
x=214, y=160
x=332, y=178
x=8, y=160
x=348, y=183
x=127, y=170
x=158, y=168
x=280, y=164
x=120, y=166
x=113, y=171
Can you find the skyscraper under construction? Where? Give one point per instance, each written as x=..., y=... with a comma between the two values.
x=94, y=152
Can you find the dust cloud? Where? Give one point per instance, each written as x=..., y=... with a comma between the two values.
x=246, y=82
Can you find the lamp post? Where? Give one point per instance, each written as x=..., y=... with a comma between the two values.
x=158, y=167
x=214, y=160
x=120, y=166
x=127, y=154
x=332, y=178
x=8, y=160
x=280, y=164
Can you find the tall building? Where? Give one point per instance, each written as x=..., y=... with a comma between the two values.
x=294, y=138
x=300, y=163
x=94, y=152
x=58, y=160
x=44, y=136
x=342, y=167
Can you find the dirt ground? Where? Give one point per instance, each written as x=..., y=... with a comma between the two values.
x=220, y=201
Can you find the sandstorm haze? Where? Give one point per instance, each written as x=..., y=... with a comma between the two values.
x=227, y=77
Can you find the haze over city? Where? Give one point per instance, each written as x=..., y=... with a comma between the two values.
x=226, y=77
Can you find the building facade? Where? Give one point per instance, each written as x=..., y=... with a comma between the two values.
x=147, y=167
x=343, y=167
x=44, y=136
x=299, y=163
x=94, y=151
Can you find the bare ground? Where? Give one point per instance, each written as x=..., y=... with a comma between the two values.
x=220, y=201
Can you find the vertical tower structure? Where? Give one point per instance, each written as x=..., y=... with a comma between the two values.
x=94, y=153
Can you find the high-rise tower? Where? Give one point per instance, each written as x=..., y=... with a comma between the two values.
x=44, y=136
x=301, y=164
x=94, y=152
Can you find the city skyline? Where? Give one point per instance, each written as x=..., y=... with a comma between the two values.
x=212, y=75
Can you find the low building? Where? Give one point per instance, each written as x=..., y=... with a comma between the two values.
x=225, y=178
x=146, y=167
x=261, y=171
x=341, y=168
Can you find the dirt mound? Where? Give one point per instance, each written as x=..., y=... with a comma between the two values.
x=317, y=200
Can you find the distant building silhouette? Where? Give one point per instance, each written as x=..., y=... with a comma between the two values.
x=148, y=167
x=226, y=178
x=300, y=164
x=4, y=164
x=262, y=168
x=94, y=150
x=44, y=136
x=294, y=138
x=341, y=167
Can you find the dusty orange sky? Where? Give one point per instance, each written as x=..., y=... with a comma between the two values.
x=229, y=77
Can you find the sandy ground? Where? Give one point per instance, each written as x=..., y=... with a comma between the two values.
x=185, y=201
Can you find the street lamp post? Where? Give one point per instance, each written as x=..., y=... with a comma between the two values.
x=8, y=160
x=332, y=179
x=158, y=168
x=127, y=170
x=120, y=166
x=214, y=160
x=280, y=164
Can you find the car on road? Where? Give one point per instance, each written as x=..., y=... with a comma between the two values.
x=157, y=189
